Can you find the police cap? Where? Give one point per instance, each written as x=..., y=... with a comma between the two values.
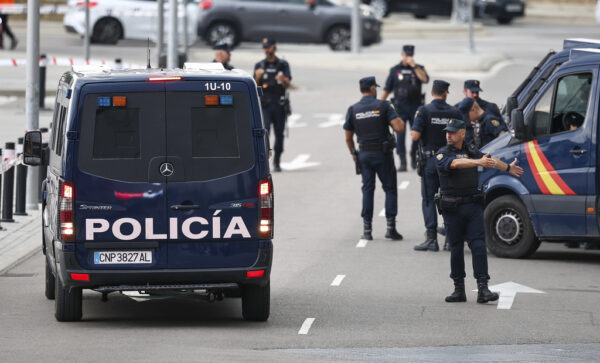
x=440, y=86
x=408, y=49
x=267, y=42
x=222, y=46
x=473, y=85
x=367, y=82
x=455, y=125
x=465, y=105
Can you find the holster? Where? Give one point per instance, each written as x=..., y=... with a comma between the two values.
x=421, y=160
x=389, y=144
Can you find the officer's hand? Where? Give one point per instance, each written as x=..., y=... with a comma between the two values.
x=487, y=162
x=259, y=72
x=411, y=62
x=515, y=170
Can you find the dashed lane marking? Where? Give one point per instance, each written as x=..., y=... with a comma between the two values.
x=306, y=326
x=362, y=243
x=338, y=280
x=404, y=184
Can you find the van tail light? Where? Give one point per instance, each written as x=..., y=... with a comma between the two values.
x=265, y=196
x=205, y=4
x=66, y=199
x=91, y=4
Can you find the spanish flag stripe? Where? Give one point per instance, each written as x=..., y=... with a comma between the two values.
x=559, y=181
x=534, y=170
x=543, y=172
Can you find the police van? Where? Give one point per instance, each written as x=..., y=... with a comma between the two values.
x=158, y=184
x=555, y=140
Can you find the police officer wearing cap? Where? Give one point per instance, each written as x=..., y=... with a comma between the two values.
x=428, y=129
x=274, y=76
x=405, y=80
x=370, y=120
x=472, y=89
x=223, y=55
x=485, y=126
x=461, y=204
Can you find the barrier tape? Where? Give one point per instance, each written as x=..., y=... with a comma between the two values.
x=9, y=162
x=21, y=9
x=13, y=9
x=69, y=62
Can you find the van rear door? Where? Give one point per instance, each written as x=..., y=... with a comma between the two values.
x=120, y=195
x=212, y=195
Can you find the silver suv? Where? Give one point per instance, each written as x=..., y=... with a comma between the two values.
x=315, y=21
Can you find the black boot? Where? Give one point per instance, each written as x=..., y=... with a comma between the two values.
x=367, y=229
x=483, y=293
x=13, y=43
x=391, y=232
x=431, y=243
x=276, y=160
x=402, y=166
x=459, y=292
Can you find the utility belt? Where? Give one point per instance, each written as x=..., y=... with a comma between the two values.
x=450, y=204
x=429, y=153
x=422, y=156
x=385, y=146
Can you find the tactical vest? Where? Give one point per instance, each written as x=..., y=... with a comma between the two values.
x=274, y=91
x=370, y=122
x=460, y=182
x=407, y=87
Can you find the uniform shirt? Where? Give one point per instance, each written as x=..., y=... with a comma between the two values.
x=404, y=83
x=490, y=107
x=489, y=127
x=273, y=91
x=457, y=182
x=370, y=119
x=431, y=119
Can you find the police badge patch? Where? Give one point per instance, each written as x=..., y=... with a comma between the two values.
x=439, y=156
x=496, y=123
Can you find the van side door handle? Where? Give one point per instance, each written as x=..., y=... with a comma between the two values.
x=578, y=151
x=185, y=207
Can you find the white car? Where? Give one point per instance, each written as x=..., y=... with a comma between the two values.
x=112, y=20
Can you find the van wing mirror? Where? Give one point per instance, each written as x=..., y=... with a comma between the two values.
x=518, y=123
x=511, y=104
x=32, y=148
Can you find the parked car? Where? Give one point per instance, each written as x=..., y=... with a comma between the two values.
x=315, y=21
x=112, y=20
x=504, y=11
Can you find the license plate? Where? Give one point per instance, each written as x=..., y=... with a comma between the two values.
x=513, y=8
x=122, y=257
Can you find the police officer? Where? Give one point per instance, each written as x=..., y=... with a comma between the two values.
x=461, y=204
x=428, y=129
x=273, y=75
x=223, y=55
x=370, y=119
x=472, y=89
x=485, y=126
x=405, y=80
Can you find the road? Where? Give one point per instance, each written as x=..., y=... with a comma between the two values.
x=390, y=303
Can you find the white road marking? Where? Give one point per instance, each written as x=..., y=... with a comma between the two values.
x=306, y=326
x=362, y=243
x=404, y=184
x=382, y=213
x=338, y=280
x=508, y=291
x=333, y=119
x=300, y=162
x=292, y=121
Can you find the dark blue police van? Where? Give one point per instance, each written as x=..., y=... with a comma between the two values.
x=555, y=139
x=158, y=183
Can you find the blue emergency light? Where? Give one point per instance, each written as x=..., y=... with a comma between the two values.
x=104, y=101
x=226, y=99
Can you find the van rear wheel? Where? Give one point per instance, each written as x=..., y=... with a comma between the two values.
x=50, y=282
x=509, y=232
x=67, y=303
x=256, y=301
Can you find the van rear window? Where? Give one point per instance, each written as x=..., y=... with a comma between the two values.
x=117, y=133
x=214, y=134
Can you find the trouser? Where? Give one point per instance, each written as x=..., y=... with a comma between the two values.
x=381, y=165
x=5, y=29
x=430, y=184
x=274, y=114
x=407, y=114
x=466, y=224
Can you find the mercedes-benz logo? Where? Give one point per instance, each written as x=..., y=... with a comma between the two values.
x=166, y=169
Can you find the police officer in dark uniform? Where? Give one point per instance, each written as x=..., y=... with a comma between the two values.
x=405, y=80
x=274, y=76
x=223, y=55
x=461, y=204
x=485, y=126
x=428, y=129
x=370, y=119
x=472, y=89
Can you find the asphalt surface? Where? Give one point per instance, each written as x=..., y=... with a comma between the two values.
x=389, y=305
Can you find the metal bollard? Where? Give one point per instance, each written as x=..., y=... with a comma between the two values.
x=1, y=229
x=21, y=183
x=8, y=184
x=43, y=65
x=43, y=167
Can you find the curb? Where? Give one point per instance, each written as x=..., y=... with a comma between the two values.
x=17, y=245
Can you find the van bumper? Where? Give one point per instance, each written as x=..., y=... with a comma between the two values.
x=67, y=264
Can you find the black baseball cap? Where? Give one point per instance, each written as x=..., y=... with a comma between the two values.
x=409, y=49
x=222, y=46
x=267, y=42
x=455, y=125
x=465, y=105
x=440, y=86
x=367, y=82
x=473, y=85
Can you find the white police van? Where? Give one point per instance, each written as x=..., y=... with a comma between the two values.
x=158, y=183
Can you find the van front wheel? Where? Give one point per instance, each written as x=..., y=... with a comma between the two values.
x=256, y=302
x=67, y=302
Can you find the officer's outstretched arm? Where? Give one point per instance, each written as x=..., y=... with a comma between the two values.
x=397, y=124
x=463, y=163
x=513, y=170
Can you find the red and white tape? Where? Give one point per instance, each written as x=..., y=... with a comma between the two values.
x=8, y=161
x=69, y=62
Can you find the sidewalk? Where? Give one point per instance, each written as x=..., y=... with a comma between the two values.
x=20, y=239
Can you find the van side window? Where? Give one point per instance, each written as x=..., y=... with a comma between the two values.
x=571, y=102
x=541, y=114
x=54, y=126
x=61, y=130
